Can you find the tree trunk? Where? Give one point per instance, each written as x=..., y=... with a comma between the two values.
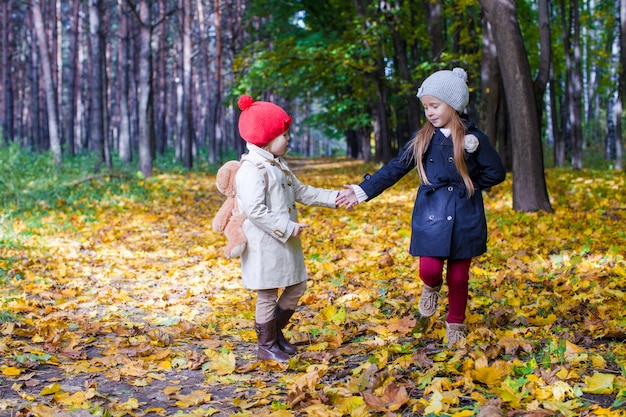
x=146, y=136
x=80, y=125
x=376, y=78
x=545, y=58
x=435, y=27
x=96, y=90
x=50, y=90
x=575, y=87
x=70, y=76
x=187, y=149
x=180, y=89
x=34, y=137
x=365, y=147
x=529, y=186
x=56, y=31
x=412, y=103
x=622, y=87
x=124, y=143
x=490, y=86
x=160, y=105
x=558, y=128
x=202, y=98
x=217, y=126
x=381, y=118
x=6, y=109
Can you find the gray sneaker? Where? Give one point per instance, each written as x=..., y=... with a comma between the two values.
x=429, y=300
x=455, y=332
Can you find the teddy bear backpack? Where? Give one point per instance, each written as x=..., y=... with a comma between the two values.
x=228, y=219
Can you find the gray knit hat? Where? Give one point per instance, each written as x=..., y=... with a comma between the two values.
x=448, y=86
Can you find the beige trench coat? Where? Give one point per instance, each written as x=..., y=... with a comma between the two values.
x=272, y=258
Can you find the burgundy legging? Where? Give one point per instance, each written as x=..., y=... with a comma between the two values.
x=457, y=276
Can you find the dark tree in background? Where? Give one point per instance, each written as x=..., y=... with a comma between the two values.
x=97, y=95
x=144, y=88
x=530, y=192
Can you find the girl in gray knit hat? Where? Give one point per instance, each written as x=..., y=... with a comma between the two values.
x=455, y=162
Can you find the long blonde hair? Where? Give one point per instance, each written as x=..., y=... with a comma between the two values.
x=422, y=139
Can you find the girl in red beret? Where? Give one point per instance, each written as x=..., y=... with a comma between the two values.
x=267, y=192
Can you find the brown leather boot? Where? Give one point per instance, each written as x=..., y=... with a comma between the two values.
x=268, y=347
x=282, y=318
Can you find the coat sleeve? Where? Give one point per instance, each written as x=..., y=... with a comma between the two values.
x=488, y=170
x=389, y=174
x=251, y=199
x=312, y=196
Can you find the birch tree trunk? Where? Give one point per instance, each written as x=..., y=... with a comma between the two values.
x=180, y=89
x=574, y=92
x=146, y=135
x=529, y=185
x=187, y=127
x=124, y=146
x=50, y=90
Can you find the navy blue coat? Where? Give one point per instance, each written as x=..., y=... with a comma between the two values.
x=446, y=223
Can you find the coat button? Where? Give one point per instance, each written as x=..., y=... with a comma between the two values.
x=450, y=159
x=450, y=188
x=431, y=217
x=449, y=217
x=431, y=160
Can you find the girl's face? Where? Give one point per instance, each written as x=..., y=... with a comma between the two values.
x=278, y=145
x=437, y=112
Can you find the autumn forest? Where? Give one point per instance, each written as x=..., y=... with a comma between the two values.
x=116, y=298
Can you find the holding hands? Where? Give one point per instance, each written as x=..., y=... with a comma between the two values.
x=346, y=198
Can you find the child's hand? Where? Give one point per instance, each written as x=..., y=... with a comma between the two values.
x=346, y=198
x=298, y=229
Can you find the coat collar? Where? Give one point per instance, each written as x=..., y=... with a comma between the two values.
x=266, y=156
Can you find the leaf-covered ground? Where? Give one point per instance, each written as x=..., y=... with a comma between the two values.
x=117, y=305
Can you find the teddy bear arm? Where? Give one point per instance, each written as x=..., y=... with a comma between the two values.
x=223, y=215
x=236, y=238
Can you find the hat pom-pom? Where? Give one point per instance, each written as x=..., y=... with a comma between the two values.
x=245, y=102
x=461, y=73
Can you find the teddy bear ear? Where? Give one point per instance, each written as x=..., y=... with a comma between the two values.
x=224, y=175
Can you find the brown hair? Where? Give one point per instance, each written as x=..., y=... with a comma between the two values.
x=422, y=139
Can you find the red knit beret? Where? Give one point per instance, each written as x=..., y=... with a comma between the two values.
x=260, y=121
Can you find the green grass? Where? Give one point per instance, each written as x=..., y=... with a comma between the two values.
x=31, y=183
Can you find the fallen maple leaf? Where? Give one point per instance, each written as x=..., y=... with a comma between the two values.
x=599, y=383
x=394, y=396
x=490, y=375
